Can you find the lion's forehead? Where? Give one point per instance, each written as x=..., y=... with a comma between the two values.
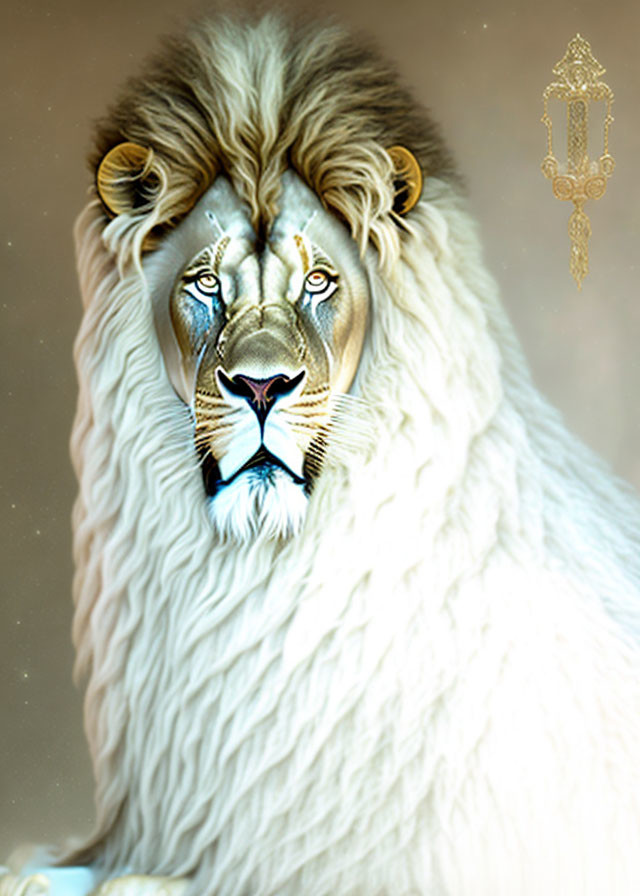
x=218, y=230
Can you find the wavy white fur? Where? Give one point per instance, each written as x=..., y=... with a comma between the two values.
x=432, y=689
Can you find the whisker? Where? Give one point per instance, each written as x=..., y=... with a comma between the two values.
x=211, y=430
x=210, y=400
x=350, y=429
x=215, y=415
x=218, y=421
x=300, y=426
x=303, y=403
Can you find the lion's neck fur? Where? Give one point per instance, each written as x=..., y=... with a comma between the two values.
x=306, y=717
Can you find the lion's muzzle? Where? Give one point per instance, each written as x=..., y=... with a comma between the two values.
x=260, y=433
x=260, y=394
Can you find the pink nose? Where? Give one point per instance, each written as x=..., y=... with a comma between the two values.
x=260, y=393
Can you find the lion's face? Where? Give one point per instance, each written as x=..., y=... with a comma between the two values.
x=260, y=338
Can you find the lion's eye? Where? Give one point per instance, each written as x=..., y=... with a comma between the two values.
x=319, y=284
x=203, y=286
x=207, y=283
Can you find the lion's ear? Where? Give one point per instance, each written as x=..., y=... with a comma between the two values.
x=126, y=180
x=407, y=179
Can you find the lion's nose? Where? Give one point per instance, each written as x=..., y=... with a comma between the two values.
x=261, y=394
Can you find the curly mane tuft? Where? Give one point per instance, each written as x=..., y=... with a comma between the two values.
x=254, y=101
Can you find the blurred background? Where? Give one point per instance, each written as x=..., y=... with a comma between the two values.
x=481, y=70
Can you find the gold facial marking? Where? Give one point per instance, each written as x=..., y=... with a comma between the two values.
x=222, y=245
x=302, y=249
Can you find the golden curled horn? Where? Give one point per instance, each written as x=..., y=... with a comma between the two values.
x=407, y=179
x=117, y=174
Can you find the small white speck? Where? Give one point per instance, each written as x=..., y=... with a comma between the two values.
x=25, y=674
x=9, y=243
x=18, y=621
x=49, y=108
x=26, y=702
x=485, y=26
x=37, y=531
x=13, y=506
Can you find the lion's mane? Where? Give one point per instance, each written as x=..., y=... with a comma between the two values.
x=434, y=688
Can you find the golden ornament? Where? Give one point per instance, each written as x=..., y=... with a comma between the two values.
x=579, y=178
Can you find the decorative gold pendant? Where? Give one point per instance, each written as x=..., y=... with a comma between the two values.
x=578, y=179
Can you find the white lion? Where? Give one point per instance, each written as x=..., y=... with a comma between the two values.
x=357, y=615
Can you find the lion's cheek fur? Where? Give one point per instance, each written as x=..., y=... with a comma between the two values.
x=410, y=695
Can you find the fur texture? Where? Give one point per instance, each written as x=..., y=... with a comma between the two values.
x=432, y=689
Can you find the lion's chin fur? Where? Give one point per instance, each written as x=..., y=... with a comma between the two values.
x=258, y=505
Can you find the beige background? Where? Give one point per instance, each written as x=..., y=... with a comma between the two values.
x=481, y=69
